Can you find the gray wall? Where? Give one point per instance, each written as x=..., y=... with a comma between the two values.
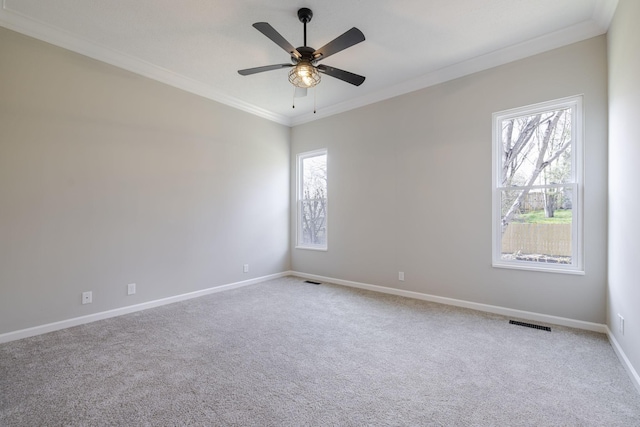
x=624, y=176
x=108, y=178
x=410, y=187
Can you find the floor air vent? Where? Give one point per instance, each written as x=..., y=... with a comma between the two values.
x=313, y=283
x=530, y=325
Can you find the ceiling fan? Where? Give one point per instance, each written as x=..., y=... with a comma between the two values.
x=305, y=72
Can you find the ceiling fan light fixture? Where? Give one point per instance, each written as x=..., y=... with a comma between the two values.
x=304, y=75
x=303, y=72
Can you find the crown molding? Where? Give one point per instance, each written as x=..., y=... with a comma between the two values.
x=564, y=37
x=58, y=37
x=603, y=13
x=598, y=24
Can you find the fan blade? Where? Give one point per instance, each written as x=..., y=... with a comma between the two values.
x=255, y=70
x=275, y=37
x=348, y=39
x=346, y=76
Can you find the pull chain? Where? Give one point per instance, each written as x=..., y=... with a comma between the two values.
x=314, y=100
x=293, y=100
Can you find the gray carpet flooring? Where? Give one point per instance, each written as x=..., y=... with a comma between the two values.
x=287, y=353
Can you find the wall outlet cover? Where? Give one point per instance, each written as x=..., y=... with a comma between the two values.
x=87, y=297
x=621, y=324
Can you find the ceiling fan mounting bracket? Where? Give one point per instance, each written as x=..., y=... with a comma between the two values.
x=305, y=15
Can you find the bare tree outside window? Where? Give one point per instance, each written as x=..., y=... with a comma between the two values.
x=312, y=203
x=536, y=184
x=536, y=150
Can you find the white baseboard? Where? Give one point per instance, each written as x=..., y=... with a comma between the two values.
x=527, y=315
x=55, y=326
x=635, y=378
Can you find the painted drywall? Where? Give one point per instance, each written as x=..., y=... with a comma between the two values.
x=410, y=187
x=624, y=175
x=108, y=178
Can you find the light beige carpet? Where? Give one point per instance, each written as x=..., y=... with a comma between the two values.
x=287, y=353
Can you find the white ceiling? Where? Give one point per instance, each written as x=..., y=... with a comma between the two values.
x=198, y=45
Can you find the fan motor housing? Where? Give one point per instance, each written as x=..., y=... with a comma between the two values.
x=306, y=54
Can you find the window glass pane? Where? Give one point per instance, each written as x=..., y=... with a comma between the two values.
x=313, y=201
x=537, y=225
x=314, y=230
x=536, y=149
x=314, y=174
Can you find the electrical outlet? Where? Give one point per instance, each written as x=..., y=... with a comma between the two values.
x=131, y=288
x=621, y=324
x=401, y=276
x=87, y=297
x=245, y=268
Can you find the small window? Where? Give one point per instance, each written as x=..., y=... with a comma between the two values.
x=312, y=200
x=537, y=176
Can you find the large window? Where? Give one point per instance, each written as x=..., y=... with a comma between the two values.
x=537, y=177
x=312, y=200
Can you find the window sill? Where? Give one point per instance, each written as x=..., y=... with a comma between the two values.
x=542, y=269
x=311, y=248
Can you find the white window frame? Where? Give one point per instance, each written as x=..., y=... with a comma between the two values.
x=577, y=166
x=299, y=197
